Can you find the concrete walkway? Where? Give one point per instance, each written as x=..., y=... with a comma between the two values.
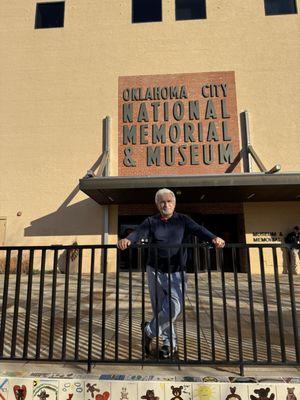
x=65, y=323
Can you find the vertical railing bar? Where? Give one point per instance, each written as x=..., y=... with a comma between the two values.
x=225, y=316
x=279, y=306
x=170, y=303
x=4, y=300
x=91, y=304
x=28, y=303
x=104, y=277
x=130, y=307
x=156, y=303
x=16, y=305
x=197, y=305
x=238, y=310
x=182, y=272
x=251, y=304
x=211, y=308
x=41, y=303
x=77, y=323
x=294, y=314
x=265, y=304
x=141, y=267
x=117, y=308
x=66, y=298
x=53, y=301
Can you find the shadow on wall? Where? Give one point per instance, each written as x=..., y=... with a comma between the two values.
x=82, y=218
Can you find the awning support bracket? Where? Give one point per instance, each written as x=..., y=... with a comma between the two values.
x=250, y=150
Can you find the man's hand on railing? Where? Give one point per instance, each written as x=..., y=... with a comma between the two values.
x=218, y=242
x=123, y=244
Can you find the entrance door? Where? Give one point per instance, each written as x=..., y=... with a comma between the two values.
x=229, y=227
x=127, y=224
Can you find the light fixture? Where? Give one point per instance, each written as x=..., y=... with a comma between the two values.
x=89, y=174
x=250, y=196
x=202, y=196
x=273, y=170
x=178, y=192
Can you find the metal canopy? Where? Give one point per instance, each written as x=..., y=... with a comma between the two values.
x=246, y=187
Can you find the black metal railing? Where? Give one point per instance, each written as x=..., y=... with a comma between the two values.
x=63, y=303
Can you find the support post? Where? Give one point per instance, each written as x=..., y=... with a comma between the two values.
x=106, y=128
x=245, y=136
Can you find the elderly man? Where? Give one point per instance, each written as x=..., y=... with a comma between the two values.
x=164, y=264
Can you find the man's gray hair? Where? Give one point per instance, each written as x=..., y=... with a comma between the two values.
x=164, y=191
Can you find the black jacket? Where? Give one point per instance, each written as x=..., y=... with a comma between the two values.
x=171, y=232
x=293, y=238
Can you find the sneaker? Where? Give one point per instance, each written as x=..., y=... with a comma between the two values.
x=147, y=340
x=165, y=352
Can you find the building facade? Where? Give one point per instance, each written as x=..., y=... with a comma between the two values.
x=187, y=86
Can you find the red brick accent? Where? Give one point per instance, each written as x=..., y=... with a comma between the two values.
x=194, y=84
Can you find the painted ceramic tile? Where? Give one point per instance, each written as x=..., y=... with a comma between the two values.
x=71, y=389
x=124, y=390
x=20, y=389
x=164, y=378
x=97, y=390
x=148, y=378
x=288, y=391
x=151, y=390
x=210, y=379
x=83, y=377
x=218, y=378
x=136, y=377
x=234, y=391
x=293, y=380
x=13, y=374
x=189, y=378
x=287, y=379
x=178, y=391
x=262, y=392
x=68, y=375
x=204, y=391
x=112, y=377
x=44, y=389
x=269, y=379
x=3, y=388
x=243, y=379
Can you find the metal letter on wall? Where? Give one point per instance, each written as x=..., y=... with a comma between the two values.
x=177, y=124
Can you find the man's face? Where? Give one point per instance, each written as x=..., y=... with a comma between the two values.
x=166, y=205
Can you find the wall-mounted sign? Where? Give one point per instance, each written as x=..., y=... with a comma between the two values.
x=178, y=124
x=267, y=236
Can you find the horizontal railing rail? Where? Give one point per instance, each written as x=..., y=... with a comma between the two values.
x=85, y=304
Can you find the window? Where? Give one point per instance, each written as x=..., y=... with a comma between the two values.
x=2, y=230
x=50, y=15
x=277, y=7
x=190, y=9
x=146, y=11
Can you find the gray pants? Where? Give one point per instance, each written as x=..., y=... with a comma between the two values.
x=163, y=316
x=294, y=254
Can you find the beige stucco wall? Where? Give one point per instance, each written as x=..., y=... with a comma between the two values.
x=261, y=219
x=58, y=84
